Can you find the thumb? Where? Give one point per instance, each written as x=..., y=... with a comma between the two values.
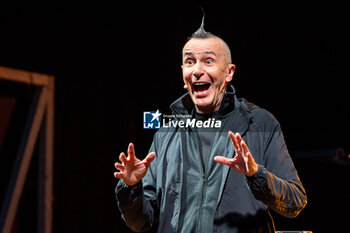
x=223, y=160
x=149, y=158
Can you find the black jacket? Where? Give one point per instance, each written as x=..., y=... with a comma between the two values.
x=243, y=202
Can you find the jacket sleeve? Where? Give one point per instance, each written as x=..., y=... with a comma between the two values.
x=277, y=183
x=138, y=204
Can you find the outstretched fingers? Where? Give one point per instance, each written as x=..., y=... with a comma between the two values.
x=119, y=166
x=245, y=148
x=234, y=140
x=149, y=158
x=122, y=158
x=245, y=156
x=223, y=160
x=118, y=175
x=131, y=152
x=130, y=168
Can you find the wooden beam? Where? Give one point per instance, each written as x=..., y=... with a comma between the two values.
x=46, y=151
x=50, y=132
x=23, y=159
x=42, y=118
x=21, y=76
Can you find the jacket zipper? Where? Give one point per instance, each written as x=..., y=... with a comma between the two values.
x=204, y=171
x=202, y=189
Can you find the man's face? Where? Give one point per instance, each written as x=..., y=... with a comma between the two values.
x=206, y=71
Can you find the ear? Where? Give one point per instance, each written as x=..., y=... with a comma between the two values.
x=230, y=71
x=183, y=78
x=182, y=70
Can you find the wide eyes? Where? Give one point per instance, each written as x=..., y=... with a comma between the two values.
x=189, y=62
x=207, y=61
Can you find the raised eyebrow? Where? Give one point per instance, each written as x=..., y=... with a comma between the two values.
x=188, y=54
x=206, y=52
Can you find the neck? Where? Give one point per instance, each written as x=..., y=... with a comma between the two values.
x=212, y=108
x=206, y=110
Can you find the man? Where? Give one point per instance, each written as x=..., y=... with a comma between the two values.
x=182, y=185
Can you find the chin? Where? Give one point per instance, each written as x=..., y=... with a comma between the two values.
x=203, y=104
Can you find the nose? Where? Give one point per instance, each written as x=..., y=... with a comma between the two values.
x=198, y=71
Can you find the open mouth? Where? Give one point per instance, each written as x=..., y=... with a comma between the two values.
x=201, y=87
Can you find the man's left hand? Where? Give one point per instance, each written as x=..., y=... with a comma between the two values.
x=243, y=162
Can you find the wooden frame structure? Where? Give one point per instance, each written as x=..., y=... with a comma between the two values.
x=39, y=129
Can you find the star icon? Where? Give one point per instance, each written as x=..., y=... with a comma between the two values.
x=156, y=115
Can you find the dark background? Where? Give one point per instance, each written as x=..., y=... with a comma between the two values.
x=112, y=62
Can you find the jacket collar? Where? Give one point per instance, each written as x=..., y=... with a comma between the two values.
x=185, y=106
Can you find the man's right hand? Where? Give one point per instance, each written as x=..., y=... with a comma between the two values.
x=131, y=169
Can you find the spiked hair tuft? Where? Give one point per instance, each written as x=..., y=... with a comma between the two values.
x=201, y=33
